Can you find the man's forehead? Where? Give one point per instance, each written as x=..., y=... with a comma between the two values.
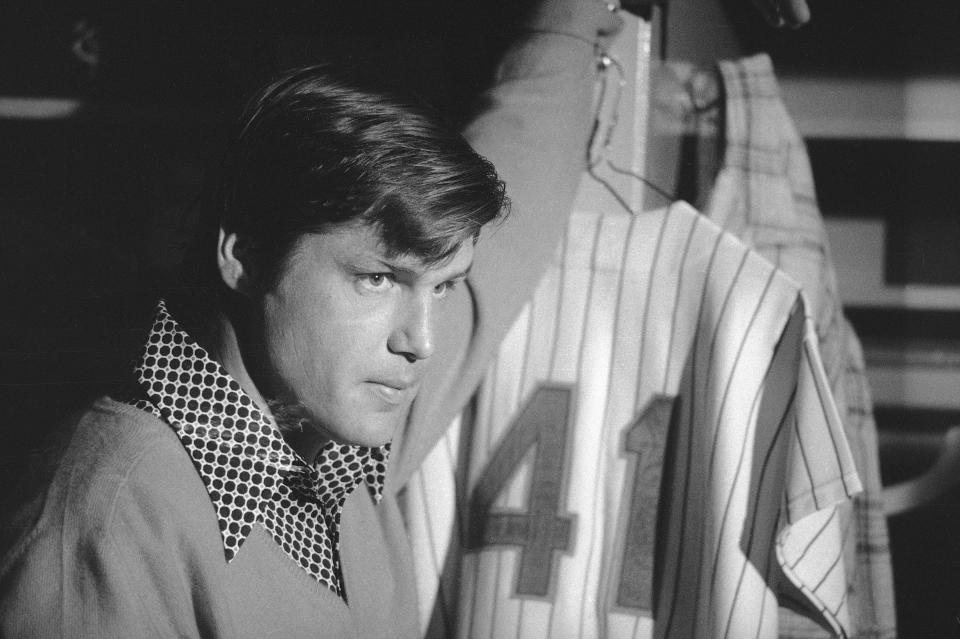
x=368, y=242
x=457, y=262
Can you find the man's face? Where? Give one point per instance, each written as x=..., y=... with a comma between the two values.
x=348, y=331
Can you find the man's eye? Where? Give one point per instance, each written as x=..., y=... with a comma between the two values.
x=441, y=290
x=376, y=281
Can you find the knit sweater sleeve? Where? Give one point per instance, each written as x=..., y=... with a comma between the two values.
x=96, y=577
x=102, y=552
x=125, y=542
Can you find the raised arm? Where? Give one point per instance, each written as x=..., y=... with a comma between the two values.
x=534, y=125
x=535, y=128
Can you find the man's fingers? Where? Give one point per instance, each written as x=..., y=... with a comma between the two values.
x=770, y=12
x=784, y=13
x=795, y=12
x=611, y=26
x=609, y=22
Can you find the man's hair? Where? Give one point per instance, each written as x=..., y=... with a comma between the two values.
x=314, y=151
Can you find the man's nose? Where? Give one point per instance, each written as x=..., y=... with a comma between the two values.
x=412, y=335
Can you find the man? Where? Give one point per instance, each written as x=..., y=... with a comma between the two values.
x=239, y=487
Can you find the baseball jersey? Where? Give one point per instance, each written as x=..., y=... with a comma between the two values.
x=654, y=452
x=764, y=193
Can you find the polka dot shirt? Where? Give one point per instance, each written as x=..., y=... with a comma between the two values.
x=252, y=475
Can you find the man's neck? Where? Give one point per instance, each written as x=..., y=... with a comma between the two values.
x=224, y=344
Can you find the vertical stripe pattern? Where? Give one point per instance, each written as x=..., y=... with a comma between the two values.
x=764, y=193
x=688, y=357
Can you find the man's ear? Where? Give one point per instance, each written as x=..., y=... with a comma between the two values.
x=231, y=268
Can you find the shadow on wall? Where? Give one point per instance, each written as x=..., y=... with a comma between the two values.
x=81, y=261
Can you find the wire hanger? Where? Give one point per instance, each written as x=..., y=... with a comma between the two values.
x=599, y=145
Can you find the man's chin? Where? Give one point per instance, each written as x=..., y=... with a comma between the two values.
x=374, y=430
x=371, y=428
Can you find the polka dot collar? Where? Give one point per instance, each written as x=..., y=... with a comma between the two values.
x=250, y=472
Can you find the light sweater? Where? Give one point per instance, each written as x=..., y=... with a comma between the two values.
x=126, y=544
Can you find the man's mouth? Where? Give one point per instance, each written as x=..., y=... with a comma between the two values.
x=394, y=391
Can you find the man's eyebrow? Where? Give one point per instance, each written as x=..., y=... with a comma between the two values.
x=420, y=270
x=462, y=274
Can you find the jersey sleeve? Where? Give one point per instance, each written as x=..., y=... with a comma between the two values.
x=820, y=474
x=764, y=491
x=533, y=125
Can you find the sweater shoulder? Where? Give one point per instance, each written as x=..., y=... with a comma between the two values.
x=113, y=461
x=123, y=459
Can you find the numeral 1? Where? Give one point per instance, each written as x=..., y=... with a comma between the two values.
x=644, y=441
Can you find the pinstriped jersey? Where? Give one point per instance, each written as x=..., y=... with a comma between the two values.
x=654, y=452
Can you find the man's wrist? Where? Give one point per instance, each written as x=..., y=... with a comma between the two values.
x=595, y=43
x=595, y=22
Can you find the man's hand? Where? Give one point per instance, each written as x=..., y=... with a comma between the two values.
x=591, y=20
x=784, y=13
